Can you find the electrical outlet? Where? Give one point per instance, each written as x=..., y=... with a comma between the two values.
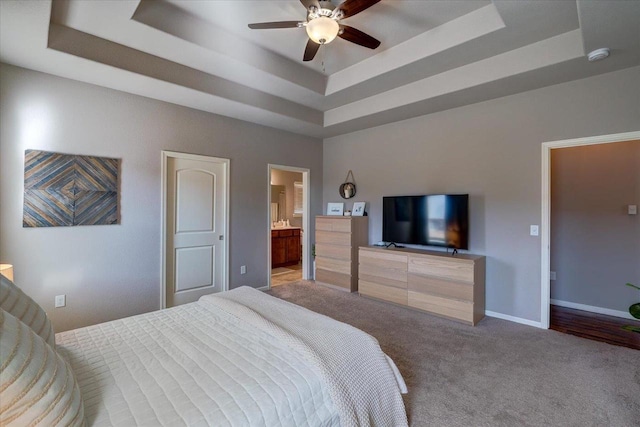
x=60, y=301
x=552, y=275
x=243, y=269
x=534, y=230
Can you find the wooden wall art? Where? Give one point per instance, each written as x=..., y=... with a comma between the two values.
x=66, y=190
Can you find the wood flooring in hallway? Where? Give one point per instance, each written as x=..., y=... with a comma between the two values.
x=594, y=326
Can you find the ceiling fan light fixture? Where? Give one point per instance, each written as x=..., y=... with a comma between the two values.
x=322, y=30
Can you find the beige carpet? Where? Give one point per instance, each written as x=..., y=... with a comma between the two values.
x=498, y=373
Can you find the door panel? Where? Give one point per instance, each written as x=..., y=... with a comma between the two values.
x=195, y=268
x=195, y=201
x=196, y=220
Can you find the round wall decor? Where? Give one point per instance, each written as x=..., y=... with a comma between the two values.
x=348, y=189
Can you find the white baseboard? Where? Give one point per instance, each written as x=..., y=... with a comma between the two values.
x=263, y=288
x=513, y=319
x=593, y=309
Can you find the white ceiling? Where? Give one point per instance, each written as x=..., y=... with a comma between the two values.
x=434, y=55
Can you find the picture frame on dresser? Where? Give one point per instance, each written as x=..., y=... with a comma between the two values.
x=335, y=209
x=358, y=208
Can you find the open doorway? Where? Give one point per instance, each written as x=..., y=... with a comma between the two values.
x=288, y=224
x=590, y=236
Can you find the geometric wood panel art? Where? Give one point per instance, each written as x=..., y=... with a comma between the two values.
x=65, y=190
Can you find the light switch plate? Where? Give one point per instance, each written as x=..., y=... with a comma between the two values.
x=534, y=230
x=633, y=209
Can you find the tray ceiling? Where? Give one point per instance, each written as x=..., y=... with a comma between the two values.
x=434, y=55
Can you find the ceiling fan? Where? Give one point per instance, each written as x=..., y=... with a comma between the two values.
x=323, y=24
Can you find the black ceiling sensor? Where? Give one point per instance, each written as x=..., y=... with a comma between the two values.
x=323, y=24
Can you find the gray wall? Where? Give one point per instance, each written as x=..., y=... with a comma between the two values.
x=491, y=150
x=108, y=272
x=287, y=178
x=595, y=243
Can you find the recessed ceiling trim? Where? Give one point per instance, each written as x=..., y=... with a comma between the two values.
x=172, y=20
x=74, y=42
x=453, y=33
x=554, y=50
x=110, y=21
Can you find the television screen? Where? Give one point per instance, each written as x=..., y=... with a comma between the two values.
x=433, y=220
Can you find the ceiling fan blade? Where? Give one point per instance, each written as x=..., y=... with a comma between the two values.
x=358, y=37
x=308, y=3
x=352, y=7
x=311, y=50
x=279, y=24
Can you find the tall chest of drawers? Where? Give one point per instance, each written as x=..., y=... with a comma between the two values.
x=337, y=242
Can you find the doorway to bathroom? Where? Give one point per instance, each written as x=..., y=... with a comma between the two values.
x=288, y=254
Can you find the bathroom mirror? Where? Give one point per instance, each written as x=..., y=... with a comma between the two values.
x=278, y=202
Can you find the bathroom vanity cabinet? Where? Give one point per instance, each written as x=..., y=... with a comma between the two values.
x=285, y=247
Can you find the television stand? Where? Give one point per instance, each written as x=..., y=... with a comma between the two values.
x=428, y=281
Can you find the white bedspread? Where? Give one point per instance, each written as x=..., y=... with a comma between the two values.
x=363, y=382
x=193, y=365
x=240, y=358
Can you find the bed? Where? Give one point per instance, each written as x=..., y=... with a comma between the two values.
x=239, y=358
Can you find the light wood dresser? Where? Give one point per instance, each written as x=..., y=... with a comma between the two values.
x=337, y=242
x=435, y=282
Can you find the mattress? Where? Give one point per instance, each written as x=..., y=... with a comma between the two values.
x=240, y=358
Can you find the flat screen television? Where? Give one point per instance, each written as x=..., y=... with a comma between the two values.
x=431, y=220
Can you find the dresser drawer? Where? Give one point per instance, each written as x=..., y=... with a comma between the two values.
x=454, y=309
x=333, y=238
x=383, y=259
x=339, y=224
x=333, y=251
x=387, y=293
x=440, y=287
x=331, y=264
x=331, y=277
x=384, y=276
x=458, y=270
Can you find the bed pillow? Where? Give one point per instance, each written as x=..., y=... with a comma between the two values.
x=37, y=386
x=20, y=305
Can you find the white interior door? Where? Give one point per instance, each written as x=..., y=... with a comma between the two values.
x=195, y=233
